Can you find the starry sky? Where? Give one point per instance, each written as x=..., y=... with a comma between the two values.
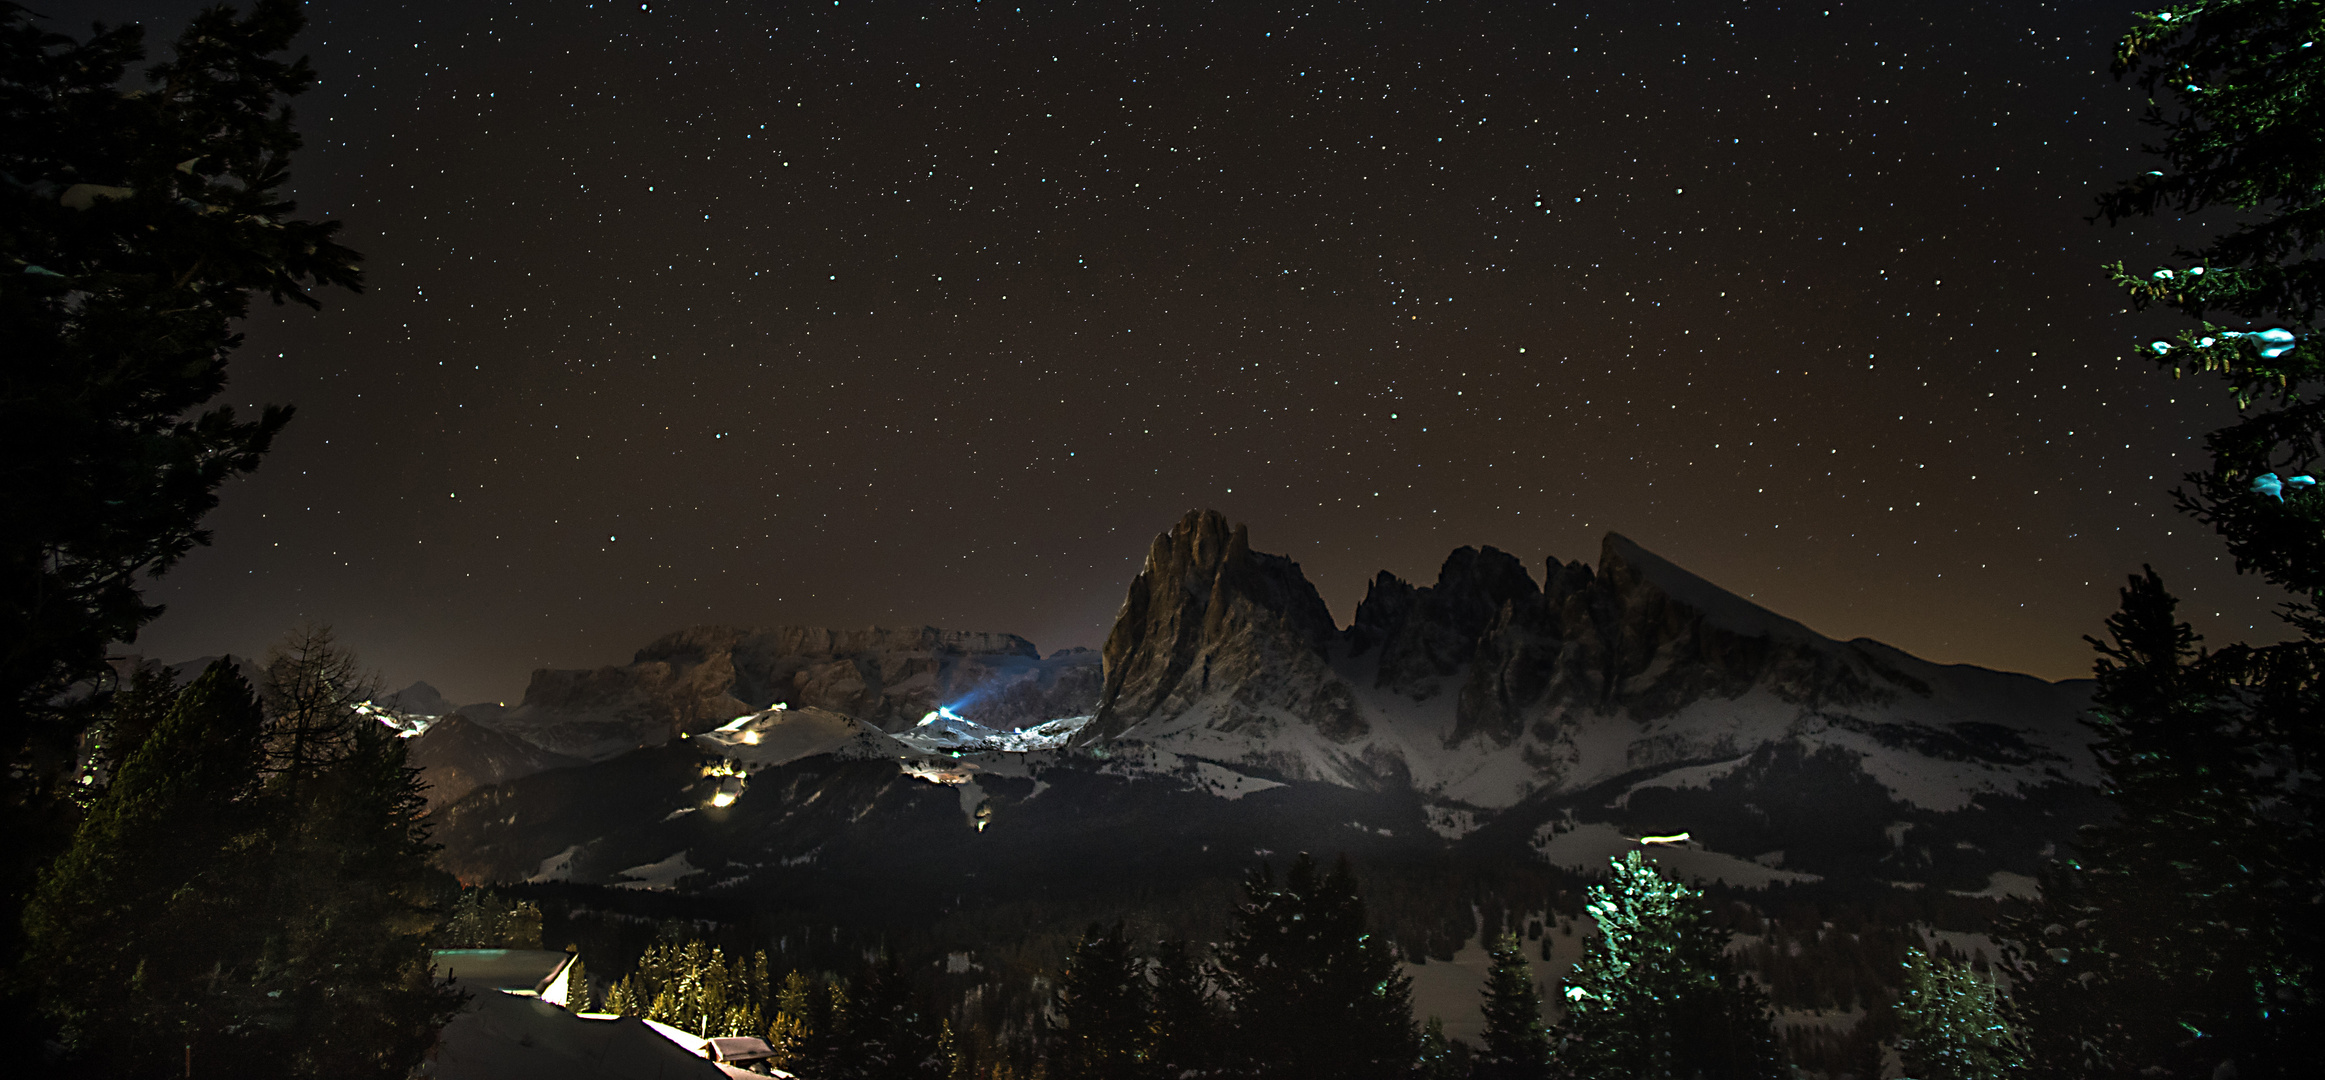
x=936, y=312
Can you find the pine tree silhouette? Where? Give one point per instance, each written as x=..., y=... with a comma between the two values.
x=1104, y=1002
x=1515, y=1045
x=1185, y=1025
x=1312, y=991
x=127, y=927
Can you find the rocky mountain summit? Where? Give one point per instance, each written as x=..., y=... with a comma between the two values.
x=1488, y=686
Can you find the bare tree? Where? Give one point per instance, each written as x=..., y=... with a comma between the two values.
x=316, y=698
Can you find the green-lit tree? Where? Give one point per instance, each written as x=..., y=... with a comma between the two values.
x=137, y=226
x=1515, y=1045
x=136, y=705
x=1312, y=991
x=1949, y=1023
x=1104, y=1008
x=2237, y=89
x=140, y=938
x=1655, y=996
x=1438, y=1059
x=2181, y=939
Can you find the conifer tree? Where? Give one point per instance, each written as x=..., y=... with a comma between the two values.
x=1104, y=1002
x=789, y=1033
x=131, y=712
x=1311, y=990
x=1655, y=996
x=1437, y=1060
x=891, y=1034
x=1185, y=1023
x=2185, y=888
x=821, y=1034
x=2181, y=939
x=349, y=906
x=1950, y=1025
x=483, y=919
x=138, y=222
x=1514, y=1046
x=693, y=986
x=140, y=935
x=621, y=998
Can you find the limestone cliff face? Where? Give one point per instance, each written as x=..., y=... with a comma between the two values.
x=1486, y=685
x=1210, y=621
x=693, y=680
x=1426, y=633
x=1645, y=638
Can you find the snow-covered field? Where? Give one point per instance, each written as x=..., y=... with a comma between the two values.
x=1589, y=847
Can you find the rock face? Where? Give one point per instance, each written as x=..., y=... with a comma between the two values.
x=456, y=755
x=1210, y=622
x=696, y=679
x=1645, y=638
x=1487, y=687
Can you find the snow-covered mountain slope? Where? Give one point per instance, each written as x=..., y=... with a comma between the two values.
x=780, y=735
x=945, y=731
x=698, y=679
x=1489, y=718
x=1486, y=688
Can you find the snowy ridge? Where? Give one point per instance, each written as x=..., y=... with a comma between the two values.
x=1717, y=605
x=1636, y=670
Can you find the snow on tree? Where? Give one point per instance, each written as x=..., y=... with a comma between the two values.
x=2181, y=939
x=1950, y=1024
x=1655, y=997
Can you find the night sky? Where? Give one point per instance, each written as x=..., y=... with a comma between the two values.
x=934, y=313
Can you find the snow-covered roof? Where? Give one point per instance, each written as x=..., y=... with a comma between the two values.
x=527, y=970
x=511, y=1037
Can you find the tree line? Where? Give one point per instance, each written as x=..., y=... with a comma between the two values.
x=1302, y=986
x=248, y=891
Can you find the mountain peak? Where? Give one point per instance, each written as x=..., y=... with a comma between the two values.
x=1623, y=561
x=1206, y=612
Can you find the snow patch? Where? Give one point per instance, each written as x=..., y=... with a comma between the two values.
x=1227, y=783
x=1590, y=847
x=1693, y=776
x=659, y=876
x=2005, y=885
x=558, y=867
x=1450, y=822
